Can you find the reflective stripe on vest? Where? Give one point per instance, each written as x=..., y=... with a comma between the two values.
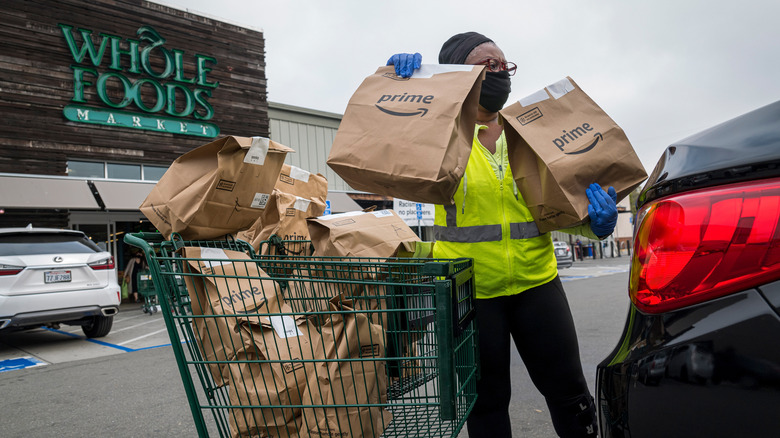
x=481, y=233
x=523, y=230
x=478, y=233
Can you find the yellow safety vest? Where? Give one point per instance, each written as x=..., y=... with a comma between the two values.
x=491, y=223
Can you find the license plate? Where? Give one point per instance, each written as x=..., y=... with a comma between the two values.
x=56, y=276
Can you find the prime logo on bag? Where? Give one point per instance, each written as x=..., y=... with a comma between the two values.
x=575, y=134
x=412, y=98
x=236, y=297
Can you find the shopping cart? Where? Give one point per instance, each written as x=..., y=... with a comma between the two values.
x=316, y=346
x=147, y=291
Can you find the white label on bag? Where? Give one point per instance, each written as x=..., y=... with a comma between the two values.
x=260, y=200
x=534, y=98
x=257, y=152
x=428, y=70
x=560, y=88
x=382, y=213
x=214, y=254
x=330, y=217
x=284, y=326
x=299, y=174
x=301, y=204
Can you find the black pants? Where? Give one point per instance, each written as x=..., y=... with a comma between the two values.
x=540, y=322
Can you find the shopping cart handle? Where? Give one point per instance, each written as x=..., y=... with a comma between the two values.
x=141, y=240
x=444, y=269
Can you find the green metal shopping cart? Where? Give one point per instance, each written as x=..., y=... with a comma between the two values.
x=147, y=291
x=291, y=345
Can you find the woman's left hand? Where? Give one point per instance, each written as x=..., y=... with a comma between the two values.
x=602, y=209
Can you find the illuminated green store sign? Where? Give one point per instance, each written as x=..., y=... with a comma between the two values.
x=172, y=101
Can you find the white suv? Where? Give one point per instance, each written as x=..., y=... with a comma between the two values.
x=50, y=277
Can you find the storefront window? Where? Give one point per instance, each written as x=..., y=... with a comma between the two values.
x=123, y=171
x=154, y=173
x=93, y=169
x=86, y=169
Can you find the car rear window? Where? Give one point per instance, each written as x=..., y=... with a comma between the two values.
x=32, y=244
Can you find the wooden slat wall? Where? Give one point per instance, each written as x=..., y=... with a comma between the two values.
x=37, y=82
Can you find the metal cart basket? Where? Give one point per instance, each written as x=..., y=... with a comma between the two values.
x=290, y=345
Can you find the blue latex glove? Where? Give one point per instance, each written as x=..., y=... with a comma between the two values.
x=602, y=209
x=405, y=63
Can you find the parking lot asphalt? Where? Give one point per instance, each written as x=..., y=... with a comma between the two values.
x=136, y=330
x=141, y=394
x=133, y=330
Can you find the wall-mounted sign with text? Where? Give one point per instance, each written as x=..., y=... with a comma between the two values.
x=414, y=213
x=139, y=84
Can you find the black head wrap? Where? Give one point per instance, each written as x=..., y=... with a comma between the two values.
x=496, y=86
x=457, y=48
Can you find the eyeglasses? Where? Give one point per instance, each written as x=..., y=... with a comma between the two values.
x=494, y=65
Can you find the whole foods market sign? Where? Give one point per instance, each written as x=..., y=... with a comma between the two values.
x=139, y=83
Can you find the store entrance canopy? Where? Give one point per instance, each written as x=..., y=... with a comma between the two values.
x=20, y=191
x=341, y=203
x=118, y=195
x=45, y=192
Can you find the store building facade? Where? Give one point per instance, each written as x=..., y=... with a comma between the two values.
x=99, y=97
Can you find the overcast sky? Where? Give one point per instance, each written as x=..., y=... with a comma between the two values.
x=662, y=69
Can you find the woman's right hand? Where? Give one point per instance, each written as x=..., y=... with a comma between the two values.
x=405, y=63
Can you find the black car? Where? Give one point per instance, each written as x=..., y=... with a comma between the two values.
x=700, y=351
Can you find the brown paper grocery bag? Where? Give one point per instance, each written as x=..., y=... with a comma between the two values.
x=216, y=189
x=409, y=138
x=297, y=195
x=345, y=339
x=560, y=142
x=376, y=234
x=276, y=376
x=359, y=234
x=245, y=288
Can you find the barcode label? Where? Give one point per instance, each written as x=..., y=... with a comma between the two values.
x=260, y=200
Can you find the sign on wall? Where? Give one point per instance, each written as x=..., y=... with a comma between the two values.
x=414, y=213
x=139, y=83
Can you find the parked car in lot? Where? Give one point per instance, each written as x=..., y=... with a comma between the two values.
x=563, y=254
x=50, y=277
x=699, y=355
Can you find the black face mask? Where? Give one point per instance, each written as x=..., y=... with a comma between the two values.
x=495, y=90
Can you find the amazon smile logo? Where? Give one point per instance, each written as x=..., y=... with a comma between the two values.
x=404, y=99
x=570, y=136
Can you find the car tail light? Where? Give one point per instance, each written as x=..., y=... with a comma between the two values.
x=705, y=244
x=102, y=264
x=10, y=269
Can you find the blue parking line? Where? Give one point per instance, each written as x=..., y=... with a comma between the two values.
x=103, y=343
x=575, y=277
